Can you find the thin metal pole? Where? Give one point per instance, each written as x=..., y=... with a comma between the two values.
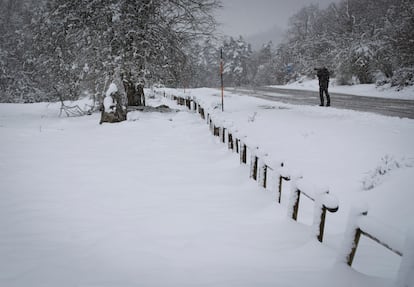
x=221, y=77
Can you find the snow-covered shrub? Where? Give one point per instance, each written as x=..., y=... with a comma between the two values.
x=402, y=78
x=381, y=79
x=387, y=164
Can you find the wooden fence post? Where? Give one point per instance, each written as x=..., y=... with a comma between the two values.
x=201, y=112
x=351, y=255
x=216, y=131
x=230, y=141
x=253, y=167
x=357, y=236
x=243, y=153
x=322, y=224
x=281, y=178
x=296, y=205
x=237, y=145
x=264, y=176
x=280, y=188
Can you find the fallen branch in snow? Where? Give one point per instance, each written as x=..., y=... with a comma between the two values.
x=73, y=111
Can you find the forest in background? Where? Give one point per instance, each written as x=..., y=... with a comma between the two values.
x=359, y=41
x=59, y=49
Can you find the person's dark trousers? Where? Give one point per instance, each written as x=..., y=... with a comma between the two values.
x=323, y=90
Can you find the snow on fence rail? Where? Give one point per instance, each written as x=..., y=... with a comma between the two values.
x=324, y=201
x=359, y=224
x=260, y=166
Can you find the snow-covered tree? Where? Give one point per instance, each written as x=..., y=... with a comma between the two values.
x=236, y=55
x=86, y=44
x=356, y=39
x=263, y=66
x=16, y=57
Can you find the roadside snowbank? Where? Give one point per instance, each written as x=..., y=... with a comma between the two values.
x=367, y=90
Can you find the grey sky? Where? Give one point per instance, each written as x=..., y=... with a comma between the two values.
x=250, y=17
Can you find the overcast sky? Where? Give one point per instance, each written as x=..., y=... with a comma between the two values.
x=250, y=17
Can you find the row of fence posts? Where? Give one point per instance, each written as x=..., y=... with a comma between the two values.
x=237, y=145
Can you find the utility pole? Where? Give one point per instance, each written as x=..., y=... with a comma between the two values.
x=221, y=76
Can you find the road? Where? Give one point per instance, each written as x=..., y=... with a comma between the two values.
x=383, y=106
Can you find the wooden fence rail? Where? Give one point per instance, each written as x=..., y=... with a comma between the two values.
x=393, y=240
x=361, y=229
x=242, y=148
x=322, y=205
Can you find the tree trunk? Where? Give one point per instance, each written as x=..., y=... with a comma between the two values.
x=135, y=94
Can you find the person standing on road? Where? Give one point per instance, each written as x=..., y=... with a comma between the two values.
x=323, y=76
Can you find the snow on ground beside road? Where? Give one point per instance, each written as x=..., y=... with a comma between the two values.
x=367, y=90
x=336, y=149
x=157, y=201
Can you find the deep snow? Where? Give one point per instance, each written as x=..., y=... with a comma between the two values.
x=158, y=201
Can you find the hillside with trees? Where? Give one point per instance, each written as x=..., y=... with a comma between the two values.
x=64, y=49
x=360, y=41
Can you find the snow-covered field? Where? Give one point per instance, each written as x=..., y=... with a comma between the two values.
x=158, y=201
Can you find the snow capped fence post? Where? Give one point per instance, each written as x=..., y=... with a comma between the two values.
x=223, y=134
x=281, y=178
x=253, y=164
x=243, y=153
x=294, y=204
x=237, y=145
x=216, y=131
x=264, y=176
x=360, y=224
x=201, y=111
x=230, y=141
x=352, y=233
x=323, y=202
x=264, y=166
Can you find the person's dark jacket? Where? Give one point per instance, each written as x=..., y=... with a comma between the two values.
x=323, y=76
